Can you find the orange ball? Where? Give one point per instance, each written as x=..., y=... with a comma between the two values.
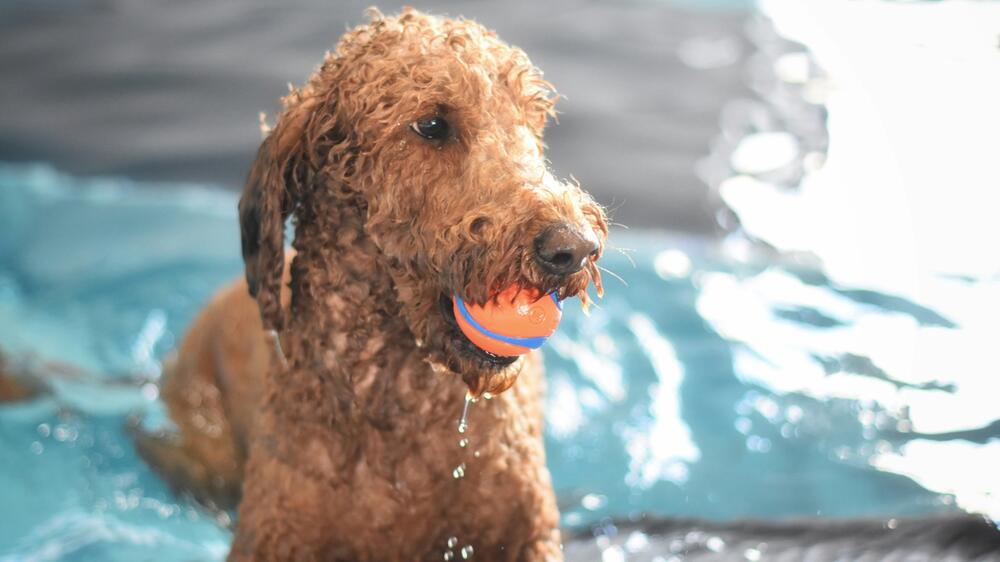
x=515, y=322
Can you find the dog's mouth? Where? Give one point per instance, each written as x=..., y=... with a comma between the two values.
x=464, y=346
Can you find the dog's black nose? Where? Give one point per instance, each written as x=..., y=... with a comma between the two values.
x=562, y=249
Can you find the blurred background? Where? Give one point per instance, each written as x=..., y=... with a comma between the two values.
x=171, y=91
x=808, y=308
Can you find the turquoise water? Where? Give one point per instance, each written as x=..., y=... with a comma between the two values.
x=707, y=386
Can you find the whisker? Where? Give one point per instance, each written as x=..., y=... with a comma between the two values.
x=613, y=274
x=621, y=248
x=614, y=206
x=624, y=252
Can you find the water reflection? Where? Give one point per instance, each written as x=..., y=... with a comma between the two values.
x=857, y=351
x=878, y=286
x=664, y=449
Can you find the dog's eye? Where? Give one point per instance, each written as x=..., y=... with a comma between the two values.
x=434, y=128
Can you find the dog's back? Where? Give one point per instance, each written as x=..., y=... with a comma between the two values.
x=212, y=388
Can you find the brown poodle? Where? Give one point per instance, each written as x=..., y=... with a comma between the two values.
x=412, y=163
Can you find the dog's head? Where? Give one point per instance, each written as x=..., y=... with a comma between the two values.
x=434, y=127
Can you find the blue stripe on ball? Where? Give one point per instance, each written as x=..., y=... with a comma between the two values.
x=530, y=343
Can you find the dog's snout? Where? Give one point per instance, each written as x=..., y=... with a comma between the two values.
x=563, y=249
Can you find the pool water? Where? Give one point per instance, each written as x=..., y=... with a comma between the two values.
x=708, y=382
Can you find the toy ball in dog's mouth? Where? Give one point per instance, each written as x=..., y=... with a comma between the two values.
x=513, y=323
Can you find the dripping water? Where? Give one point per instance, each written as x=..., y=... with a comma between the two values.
x=463, y=422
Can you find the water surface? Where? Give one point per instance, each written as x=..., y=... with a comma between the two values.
x=708, y=386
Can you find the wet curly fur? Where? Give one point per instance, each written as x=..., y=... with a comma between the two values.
x=348, y=453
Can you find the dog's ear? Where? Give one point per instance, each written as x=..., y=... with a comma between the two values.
x=272, y=190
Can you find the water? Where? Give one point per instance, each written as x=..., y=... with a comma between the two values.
x=710, y=386
x=463, y=422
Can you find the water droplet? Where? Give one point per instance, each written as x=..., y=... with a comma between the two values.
x=43, y=429
x=448, y=555
x=715, y=544
x=613, y=553
x=593, y=502
x=62, y=433
x=150, y=391
x=467, y=551
x=637, y=542
x=463, y=422
x=459, y=471
x=452, y=542
x=476, y=454
x=463, y=442
x=37, y=448
x=488, y=396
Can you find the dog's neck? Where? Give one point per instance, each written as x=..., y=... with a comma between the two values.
x=346, y=315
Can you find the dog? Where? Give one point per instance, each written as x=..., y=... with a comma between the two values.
x=322, y=393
